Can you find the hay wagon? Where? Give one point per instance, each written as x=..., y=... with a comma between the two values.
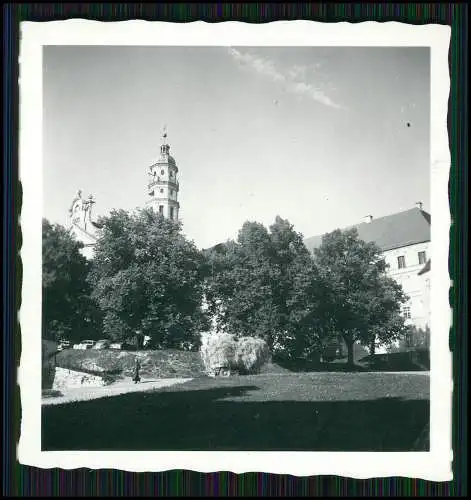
x=222, y=371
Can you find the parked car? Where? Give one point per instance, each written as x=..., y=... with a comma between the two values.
x=129, y=345
x=102, y=344
x=88, y=343
x=332, y=351
x=63, y=344
x=116, y=346
x=85, y=344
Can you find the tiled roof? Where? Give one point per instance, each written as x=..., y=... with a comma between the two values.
x=389, y=232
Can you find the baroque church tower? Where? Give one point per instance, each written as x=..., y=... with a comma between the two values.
x=163, y=184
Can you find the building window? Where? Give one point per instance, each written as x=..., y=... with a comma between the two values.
x=401, y=262
x=161, y=190
x=406, y=312
x=427, y=284
x=171, y=212
x=162, y=172
x=161, y=209
x=171, y=192
x=422, y=258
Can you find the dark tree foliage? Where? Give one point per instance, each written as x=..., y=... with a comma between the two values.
x=265, y=285
x=363, y=303
x=147, y=277
x=67, y=308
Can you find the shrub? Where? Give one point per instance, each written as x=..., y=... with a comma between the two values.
x=251, y=354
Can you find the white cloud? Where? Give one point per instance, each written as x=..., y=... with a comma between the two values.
x=294, y=79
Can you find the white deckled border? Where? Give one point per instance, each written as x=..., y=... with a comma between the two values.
x=434, y=465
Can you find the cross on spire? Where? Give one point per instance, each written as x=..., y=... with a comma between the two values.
x=164, y=148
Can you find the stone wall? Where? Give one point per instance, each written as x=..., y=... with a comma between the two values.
x=67, y=379
x=49, y=350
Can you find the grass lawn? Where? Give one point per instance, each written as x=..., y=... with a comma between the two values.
x=286, y=411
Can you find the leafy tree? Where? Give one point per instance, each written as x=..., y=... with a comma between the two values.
x=67, y=308
x=264, y=285
x=415, y=338
x=147, y=277
x=361, y=303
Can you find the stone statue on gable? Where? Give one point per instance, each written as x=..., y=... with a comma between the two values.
x=88, y=210
x=77, y=208
x=81, y=210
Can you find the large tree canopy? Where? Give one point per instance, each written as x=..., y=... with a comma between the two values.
x=363, y=304
x=67, y=310
x=147, y=276
x=264, y=285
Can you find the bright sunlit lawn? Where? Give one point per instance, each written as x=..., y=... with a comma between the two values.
x=288, y=411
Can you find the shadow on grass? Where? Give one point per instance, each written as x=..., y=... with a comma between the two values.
x=301, y=366
x=398, y=361
x=211, y=419
x=392, y=362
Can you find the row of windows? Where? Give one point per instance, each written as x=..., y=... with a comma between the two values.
x=162, y=172
x=172, y=211
x=172, y=192
x=401, y=260
x=406, y=312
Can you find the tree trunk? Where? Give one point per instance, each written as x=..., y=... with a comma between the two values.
x=349, y=344
x=372, y=347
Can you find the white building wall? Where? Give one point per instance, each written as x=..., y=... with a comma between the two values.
x=87, y=240
x=425, y=299
x=412, y=284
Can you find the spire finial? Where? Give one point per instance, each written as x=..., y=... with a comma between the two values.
x=164, y=133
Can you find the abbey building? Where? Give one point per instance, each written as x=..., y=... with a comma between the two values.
x=404, y=239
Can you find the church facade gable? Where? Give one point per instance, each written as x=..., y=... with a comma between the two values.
x=81, y=224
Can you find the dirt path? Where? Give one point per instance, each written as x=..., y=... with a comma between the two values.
x=121, y=387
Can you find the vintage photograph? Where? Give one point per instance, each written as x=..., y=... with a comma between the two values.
x=236, y=248
x=233, y=244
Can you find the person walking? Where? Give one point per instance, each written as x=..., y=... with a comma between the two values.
x=136, y=376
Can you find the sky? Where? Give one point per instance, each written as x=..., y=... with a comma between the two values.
x=321, y=136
